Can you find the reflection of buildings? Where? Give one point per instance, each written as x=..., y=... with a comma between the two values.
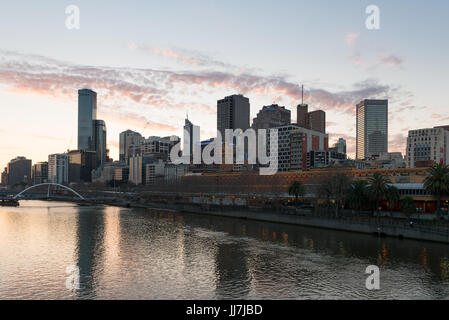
x=90, y=240
x=232, y=271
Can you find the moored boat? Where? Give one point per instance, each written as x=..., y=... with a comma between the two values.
x=9, y=203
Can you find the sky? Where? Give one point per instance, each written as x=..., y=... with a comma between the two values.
x=154, y=62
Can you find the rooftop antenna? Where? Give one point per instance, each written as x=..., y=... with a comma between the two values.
x=302, y=94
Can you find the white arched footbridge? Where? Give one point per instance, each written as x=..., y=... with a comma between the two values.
x=49, y=184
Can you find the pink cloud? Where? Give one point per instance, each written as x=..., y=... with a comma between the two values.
x=351, y=38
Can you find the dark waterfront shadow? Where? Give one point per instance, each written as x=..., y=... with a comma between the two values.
x=89, y=247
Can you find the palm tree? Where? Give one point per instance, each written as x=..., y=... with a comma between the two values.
x=358, y=194
x=408, y=206
x=393, y=196
x=378, y=189
x=437, y=183
x=297, y=189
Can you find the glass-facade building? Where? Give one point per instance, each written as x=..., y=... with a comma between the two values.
x=372, y=128
x=87, y=112
x=100, y=141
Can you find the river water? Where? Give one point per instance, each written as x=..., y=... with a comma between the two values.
x=148, y=254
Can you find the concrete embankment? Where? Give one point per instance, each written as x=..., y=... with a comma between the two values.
x=380, y=227
x=305, y=218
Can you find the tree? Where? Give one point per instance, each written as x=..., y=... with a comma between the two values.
x=297, y=189
x=335, y=187
x=437, y=183
x=378, y=189
x=358, y=194
x=408, y=206
x=392, y=196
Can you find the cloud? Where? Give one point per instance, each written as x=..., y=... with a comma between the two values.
x=48, y=138
x=186, y=57
x=391, y=60
x=166, y=90
x=396, y=143
x=138, y=121
x=411, y=108
x=351, y=38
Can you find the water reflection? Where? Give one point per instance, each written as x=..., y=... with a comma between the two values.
x=143, y=254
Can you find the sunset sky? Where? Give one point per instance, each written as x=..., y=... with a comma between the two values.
x=152, y=62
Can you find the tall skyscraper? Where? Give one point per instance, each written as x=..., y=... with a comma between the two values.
x=317, y=121
x=189, y=144
x=372, y=128
x=233, y=113
x=87, y=112
x=314, y=120
x=100, y=142
x=302, y=115
x=127, y=138
x=271, y=116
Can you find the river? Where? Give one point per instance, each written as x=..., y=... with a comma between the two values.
x=127, y=253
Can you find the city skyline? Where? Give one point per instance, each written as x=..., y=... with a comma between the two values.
x=151, y=81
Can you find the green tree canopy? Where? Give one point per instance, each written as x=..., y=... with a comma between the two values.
x=437, y=183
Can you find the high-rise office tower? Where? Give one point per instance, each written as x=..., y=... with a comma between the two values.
x=87, y=112
x=19, y=171
x=233, y=113
x=372, y=128
x=100, y=142
x=314, y=120
x=317, y=121
x=128, y=138
x=193, y=136
x=271, y=116
x=81, y=164
x=40, y=172
x=302, y=115
x=58, y=168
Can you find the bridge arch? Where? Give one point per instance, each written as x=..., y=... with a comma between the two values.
x=49, y=184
